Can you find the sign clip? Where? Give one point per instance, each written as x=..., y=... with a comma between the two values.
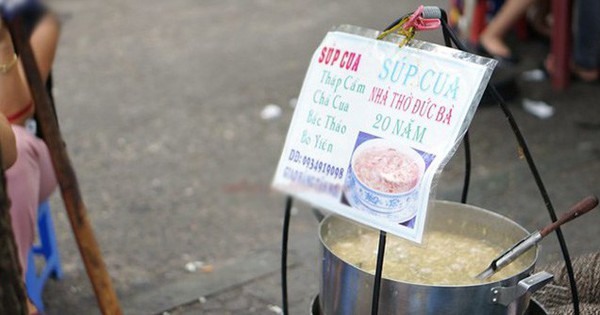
x=408, y=26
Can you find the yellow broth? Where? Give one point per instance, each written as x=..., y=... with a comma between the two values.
x=444, y=258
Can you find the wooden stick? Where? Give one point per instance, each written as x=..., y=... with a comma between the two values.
x=67, y=180
x=579, y=209
x=12, y=291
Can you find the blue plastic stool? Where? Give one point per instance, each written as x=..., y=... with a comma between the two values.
x=48, y=249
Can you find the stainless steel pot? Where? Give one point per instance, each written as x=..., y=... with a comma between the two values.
x=346, y=289
x=535, y=308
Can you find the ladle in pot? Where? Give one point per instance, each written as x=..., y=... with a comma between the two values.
x=529, y=241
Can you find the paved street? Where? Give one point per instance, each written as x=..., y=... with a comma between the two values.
x=159, y=103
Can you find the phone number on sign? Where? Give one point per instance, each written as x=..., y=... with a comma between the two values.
x=316, y=165
x=317, y=183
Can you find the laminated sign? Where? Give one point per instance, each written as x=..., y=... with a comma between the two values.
x=375, y=123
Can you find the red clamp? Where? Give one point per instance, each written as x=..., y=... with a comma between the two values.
x=417, y=22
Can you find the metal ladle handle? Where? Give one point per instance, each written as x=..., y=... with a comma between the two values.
x=531, y=240
x=580, y=208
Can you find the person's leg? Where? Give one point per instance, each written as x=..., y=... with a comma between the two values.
x=587, y=40
x=47, y=175
x=492, y=37
x=22, y=180
x=539, y=18
x=29, y=181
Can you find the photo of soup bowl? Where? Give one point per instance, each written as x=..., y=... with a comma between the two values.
x=384, y=177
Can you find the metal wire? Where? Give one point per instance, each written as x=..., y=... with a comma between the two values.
x=441, y=14
x=532, y=167
x=378, y=273
x=449, y=38
x=467, y=179
x=284, y=250
x=382, y=234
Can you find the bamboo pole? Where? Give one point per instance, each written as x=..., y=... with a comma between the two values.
x=67, y=179
x=12, y=292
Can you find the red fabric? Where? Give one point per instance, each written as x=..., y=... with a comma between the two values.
x=479, y=15
x=561, y=42
x=14, y=117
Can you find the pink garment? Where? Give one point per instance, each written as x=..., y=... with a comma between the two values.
x=30, y=181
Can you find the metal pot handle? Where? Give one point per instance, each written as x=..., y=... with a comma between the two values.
x=506, y=295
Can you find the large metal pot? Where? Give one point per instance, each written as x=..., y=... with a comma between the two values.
x=346, y=289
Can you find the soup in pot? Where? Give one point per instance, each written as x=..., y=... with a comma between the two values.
x=445, y=258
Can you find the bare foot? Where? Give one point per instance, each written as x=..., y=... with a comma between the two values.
x=32, y=309
x=494, y=46
x=549, y=64
x=584, y=74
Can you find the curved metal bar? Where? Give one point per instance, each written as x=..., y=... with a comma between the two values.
x=534, y=172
